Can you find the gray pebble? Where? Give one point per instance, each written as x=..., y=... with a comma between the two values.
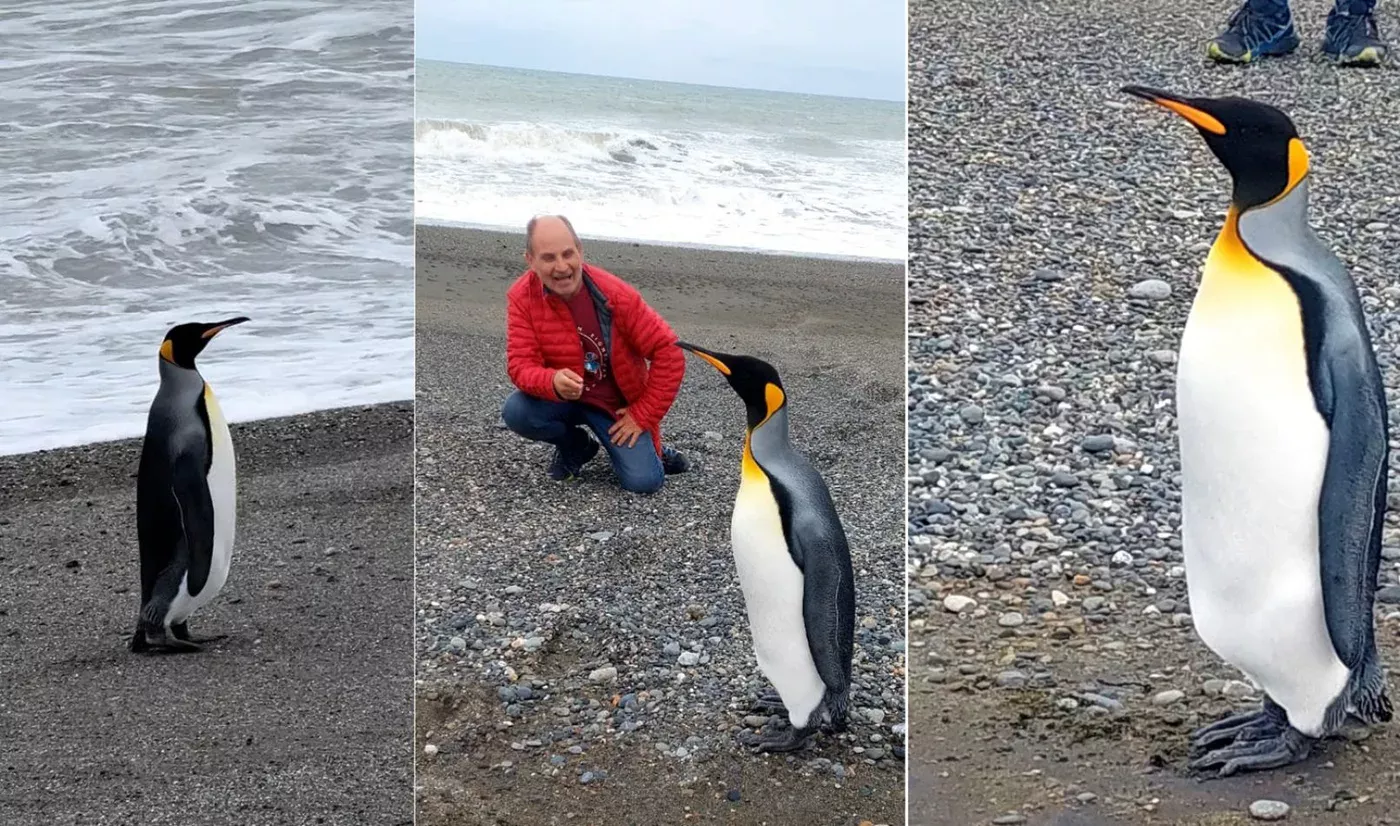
x=1268, y=810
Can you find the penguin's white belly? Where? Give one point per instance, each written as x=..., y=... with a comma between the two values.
x=773, y=588
x=223, y=493
x=1253, y=453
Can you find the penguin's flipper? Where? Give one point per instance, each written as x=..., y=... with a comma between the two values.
x=1351, y=510
x=196, y=511
x=828, y=599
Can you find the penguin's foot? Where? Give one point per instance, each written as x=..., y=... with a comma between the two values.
x=1250, y=726
x=181, y=631
x=158, y=641
x=791, y=739
x=1284, y=747
x=770, y=702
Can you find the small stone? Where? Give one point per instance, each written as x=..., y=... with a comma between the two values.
x=1009, y=820
x=1092, y=604
x=1011, y=619
x=956, y=603
x=1268, y=810
x=430, y=750
x=972, y=414
x=733, y=796
x=605, y=674
x=1059, y=598
x=1168, y=697
x=1236, y=690
x=1104, y=702
x=1153, y=289
x=1390, y=595
x=1011, y=679
x=1097, y=444
x=688, y=658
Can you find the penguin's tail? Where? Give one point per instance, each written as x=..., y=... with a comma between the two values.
x=837, y=708
x=1369, y=696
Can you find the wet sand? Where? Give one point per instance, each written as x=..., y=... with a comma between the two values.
x=302, y=716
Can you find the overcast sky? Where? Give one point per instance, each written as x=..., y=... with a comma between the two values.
x=825, y=47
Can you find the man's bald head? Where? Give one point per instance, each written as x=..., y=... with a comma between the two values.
x=550, y=224
x=553, y=252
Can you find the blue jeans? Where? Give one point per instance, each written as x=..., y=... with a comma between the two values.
x=638, y=467
x=1278, y=9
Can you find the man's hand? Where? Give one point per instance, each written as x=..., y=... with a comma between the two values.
x=625, y=431
x=568, y=384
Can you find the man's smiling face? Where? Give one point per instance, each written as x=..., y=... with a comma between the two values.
x=554, y=256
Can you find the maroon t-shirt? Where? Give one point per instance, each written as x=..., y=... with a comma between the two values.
x=599, y=387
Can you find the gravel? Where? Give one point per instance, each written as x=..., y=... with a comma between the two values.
x=646, y=665
x=1027, y=162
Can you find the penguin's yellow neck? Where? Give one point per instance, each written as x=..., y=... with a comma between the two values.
x=749, y=469
x=1234, y=283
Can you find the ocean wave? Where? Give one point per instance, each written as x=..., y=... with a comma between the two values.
x=804, y=193
x=527, y=142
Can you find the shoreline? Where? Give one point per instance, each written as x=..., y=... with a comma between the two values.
x=232, y=423
x=434, y=224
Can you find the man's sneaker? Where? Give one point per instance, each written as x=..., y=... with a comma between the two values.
x=568, y=462
x=1353, y=39
x=673, y=461
x=1251, y=35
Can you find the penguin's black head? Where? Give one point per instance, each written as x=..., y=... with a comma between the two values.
x=185, y=341
x=756, y=381
x=1257, y=143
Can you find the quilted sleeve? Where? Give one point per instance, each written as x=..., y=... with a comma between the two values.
x=655, y=341
x=524, y=358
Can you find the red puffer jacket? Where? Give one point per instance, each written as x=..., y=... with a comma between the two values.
x=541, y=338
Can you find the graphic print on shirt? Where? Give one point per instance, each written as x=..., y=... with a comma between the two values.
x=594, y=360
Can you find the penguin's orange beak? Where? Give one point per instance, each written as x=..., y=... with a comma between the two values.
x=1179, y=105
x=707, y=355
x=215, y=329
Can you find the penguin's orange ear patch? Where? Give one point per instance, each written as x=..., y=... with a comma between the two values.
x=167, y=351
x=774, y=396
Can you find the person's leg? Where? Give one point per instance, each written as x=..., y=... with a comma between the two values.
x=557, y=423
x=638, y=468
x=1352, y=37
x=1259, y=28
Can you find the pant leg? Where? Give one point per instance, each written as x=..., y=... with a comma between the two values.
x=1357, y=7
x=638, y=467
x=1274, y=9
x=541, y=420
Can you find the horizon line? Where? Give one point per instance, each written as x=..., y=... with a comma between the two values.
x=417, y=58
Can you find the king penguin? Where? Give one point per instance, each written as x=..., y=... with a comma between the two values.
x=793, y=562
x=1282, y=427
x=185, y=496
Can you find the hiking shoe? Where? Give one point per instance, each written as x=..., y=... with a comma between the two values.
x=569, y=460
x=673, y=461
x=1353, y=39
x=1251, y=35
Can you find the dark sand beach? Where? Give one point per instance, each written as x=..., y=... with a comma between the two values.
x=1044, y=203
x=584, y=656
x=302, y=716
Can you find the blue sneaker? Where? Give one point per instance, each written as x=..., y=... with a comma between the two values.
x=1251, y=35
x=1353, y=39
x=569, y=461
